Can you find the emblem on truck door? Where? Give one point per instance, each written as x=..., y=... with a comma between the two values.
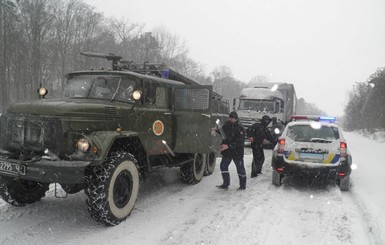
x=158, y=127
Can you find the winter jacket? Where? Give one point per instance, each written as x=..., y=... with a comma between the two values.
x=235, y=139
x=259, y=132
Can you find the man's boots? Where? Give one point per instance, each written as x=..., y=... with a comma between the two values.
x=226, y=181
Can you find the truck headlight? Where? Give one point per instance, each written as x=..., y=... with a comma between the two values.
x=42, y=92
x=136, y=95
x=83, y=145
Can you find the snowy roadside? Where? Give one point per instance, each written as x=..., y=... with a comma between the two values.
x=171, y=212
x=367, y=181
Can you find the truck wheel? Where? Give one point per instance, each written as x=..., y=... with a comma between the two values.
x=277, y=178
x=345, y=183
x=21, y=192
x=210, y=163
x=192, y=173
x=112, y=189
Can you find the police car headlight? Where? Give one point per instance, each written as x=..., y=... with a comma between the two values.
x=83, y=145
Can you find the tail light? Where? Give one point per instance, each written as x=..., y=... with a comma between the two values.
x=281, y=146
x=343, y=149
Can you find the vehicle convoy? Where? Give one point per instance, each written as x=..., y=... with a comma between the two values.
x=277, y=100
x=314, y=146
x=110, y=129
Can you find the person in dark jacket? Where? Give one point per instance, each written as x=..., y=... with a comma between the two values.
x=258, y=132
x=232, y=149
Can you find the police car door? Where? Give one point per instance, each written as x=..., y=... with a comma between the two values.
x=192, y=118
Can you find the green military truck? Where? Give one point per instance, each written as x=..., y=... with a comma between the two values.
x=105, y=135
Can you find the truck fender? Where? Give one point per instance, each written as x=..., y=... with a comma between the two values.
x=105, y=140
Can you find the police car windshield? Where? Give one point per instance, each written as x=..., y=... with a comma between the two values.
x=100, y=87
x=306, y=133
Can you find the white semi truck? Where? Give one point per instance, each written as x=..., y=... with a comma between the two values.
x=277, y=100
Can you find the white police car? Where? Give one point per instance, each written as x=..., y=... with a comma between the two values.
x=312, y=144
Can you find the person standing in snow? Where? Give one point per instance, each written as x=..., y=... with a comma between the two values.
x=258, y=132
x=232, y=149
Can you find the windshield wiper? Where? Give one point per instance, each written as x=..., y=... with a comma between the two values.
x=117, y=89
x=320, y=140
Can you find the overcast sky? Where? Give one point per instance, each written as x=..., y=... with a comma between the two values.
x=321, y=46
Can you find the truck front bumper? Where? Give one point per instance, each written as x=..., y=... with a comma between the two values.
x=44, y=170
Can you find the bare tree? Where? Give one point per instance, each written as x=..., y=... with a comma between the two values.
x=307, y=108
x=124, y=33
x=36, y=20
x=172, y=50
x=7, y=13
x=225, y=84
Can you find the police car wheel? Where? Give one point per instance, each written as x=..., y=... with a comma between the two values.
x=277, y=178
x=210, y=163
x=345, y=183
x=21, y=192
x=112, y=189
x=192, y=173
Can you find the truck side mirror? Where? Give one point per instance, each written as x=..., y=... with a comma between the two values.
x=277, y=107
x=234, y=103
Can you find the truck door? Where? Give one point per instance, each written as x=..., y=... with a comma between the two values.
x=192, y=121
x=156, y=118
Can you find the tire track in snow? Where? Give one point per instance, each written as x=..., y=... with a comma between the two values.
x=373, y=229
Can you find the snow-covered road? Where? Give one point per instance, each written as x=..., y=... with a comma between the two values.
x=171, y=212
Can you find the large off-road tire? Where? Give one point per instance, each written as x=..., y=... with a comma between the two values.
x=21, y=192
x=192, y=173
x=112, y=189
x=345, y=183
x=210, y=163
x=277, y=178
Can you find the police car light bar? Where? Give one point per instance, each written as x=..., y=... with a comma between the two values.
x=327, y=119
x=313, y=118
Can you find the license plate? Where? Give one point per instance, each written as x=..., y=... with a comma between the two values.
x=12, y=168
x=311, y=156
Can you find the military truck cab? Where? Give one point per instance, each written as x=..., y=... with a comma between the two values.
x=110, y=129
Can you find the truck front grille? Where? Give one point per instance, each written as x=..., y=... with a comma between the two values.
x=29, y=133
x=247, y=122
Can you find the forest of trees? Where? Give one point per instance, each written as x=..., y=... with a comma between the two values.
x=41, y=41
x=365, y=107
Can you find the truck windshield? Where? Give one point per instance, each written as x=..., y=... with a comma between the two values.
x=100, y=87
x=257, y=105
